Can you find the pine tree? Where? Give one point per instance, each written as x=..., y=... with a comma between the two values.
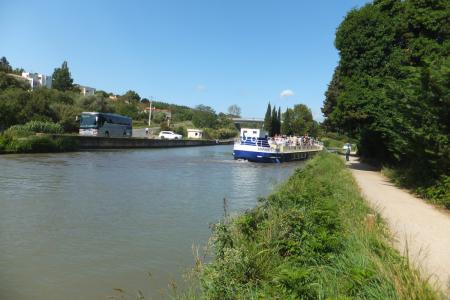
x=279, y=120
x=274, y=121
x=268, y=120
x=4, y=65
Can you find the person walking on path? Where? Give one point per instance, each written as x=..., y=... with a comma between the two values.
x=347, y=153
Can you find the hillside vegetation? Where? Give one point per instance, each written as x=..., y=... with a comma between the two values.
x=63, y=102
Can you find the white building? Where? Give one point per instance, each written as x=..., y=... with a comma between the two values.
x=37, y=80
x=195, y=133
x=87, y=91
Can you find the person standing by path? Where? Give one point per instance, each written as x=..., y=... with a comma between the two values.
x=421, y=230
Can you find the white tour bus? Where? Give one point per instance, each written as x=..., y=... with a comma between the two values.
x=105, y=124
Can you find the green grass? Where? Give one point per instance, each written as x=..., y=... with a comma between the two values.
x=314, y=238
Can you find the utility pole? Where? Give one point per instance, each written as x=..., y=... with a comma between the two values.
x=150, y=111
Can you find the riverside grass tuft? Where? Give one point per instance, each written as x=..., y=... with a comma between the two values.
x=310, y=239
x=36, y=137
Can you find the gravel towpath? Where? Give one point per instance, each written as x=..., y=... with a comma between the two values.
x=416, y=225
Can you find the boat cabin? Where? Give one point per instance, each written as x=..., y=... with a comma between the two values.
x=252, y=133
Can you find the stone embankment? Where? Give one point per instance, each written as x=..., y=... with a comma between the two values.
x=88, y=142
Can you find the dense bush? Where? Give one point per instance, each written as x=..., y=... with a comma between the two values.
x=23, y=138
x=181, y=130
x=38, y=126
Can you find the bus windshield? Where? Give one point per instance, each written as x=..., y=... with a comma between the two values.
x=88, y=121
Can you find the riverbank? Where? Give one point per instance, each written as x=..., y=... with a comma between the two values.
x=314, y=238
x=48, y=143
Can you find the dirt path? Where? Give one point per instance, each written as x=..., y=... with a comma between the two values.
x=417, y=226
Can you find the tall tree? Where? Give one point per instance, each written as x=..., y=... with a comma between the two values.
x=234, y=110
x=268, y=120
x=390, y=89
x=62, y=79
x=286, y=127
x=4, y=65
x=301, y=120
x=130, y=97
x=279, y=120
x=274, y=121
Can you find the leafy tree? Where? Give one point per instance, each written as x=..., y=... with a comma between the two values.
x=62, y=79
x=204, y=117
x=286, y=127
x=301, y=120
x=99, y=103
x=234, y=110
x=130, y=96
x=390, y=90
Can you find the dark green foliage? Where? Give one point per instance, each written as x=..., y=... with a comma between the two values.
x=61, y=79
x=204, y=117
x=390, y=90
x=181, y=130
x=274, y=122
x=8, y=81
x=130, y=96
x=268, y=120
x=308, y=240
x=4, y=65
x=30, y=138
x=299, y=121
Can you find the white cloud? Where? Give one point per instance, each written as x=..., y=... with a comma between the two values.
x=286, y=93
x=200, y=87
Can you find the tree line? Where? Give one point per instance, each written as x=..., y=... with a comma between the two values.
x=390, y=89
x=296, y=121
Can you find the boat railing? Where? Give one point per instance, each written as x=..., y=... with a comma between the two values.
x=283, y=147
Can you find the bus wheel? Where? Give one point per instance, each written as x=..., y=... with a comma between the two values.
x=107, y=134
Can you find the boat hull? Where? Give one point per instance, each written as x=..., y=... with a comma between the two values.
x=270, y=157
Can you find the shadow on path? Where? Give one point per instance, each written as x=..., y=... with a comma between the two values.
x=355, y=164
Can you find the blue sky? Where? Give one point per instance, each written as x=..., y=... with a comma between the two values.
x=216, y=53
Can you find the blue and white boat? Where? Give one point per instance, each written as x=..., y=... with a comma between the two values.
x=254, y=145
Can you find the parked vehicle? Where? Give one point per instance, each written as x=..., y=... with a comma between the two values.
x=105, y=124
x=170, y=135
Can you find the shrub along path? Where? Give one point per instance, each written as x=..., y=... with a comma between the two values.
x=418, y=227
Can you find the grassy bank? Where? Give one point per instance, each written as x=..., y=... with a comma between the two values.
x=314, y=238
x=36, y=137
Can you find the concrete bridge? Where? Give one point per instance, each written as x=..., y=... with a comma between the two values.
x=240, y=122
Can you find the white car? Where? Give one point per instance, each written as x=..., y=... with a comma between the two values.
x=170, y=135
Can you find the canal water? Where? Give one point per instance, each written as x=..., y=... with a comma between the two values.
x=79, y=225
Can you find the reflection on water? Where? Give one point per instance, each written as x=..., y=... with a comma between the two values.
x=77, y=225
